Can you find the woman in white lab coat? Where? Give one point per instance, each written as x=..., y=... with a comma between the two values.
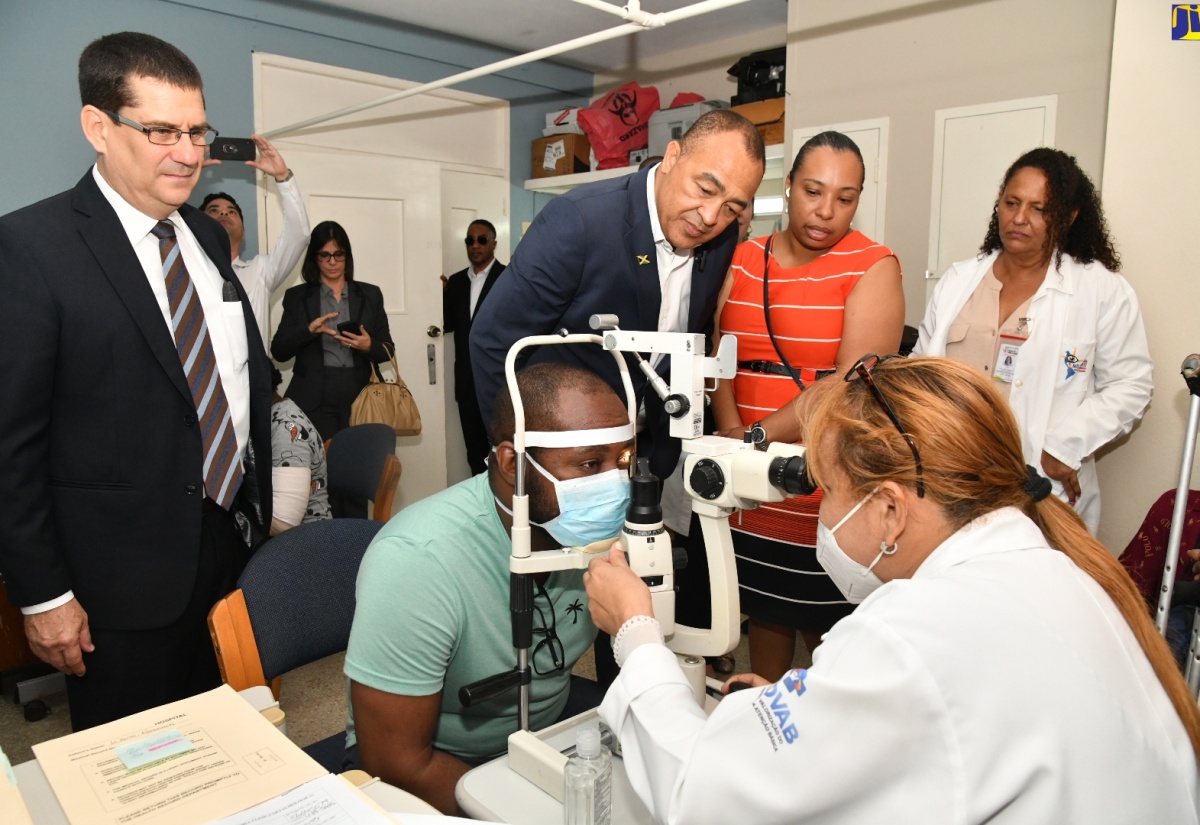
x=1043, y=312
x=1000, y=668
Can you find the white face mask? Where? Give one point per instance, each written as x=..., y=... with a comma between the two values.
x=854, y=580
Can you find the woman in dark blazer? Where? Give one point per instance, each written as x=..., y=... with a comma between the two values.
x=334, y=326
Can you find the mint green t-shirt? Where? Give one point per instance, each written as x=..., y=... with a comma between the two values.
x=432, y=615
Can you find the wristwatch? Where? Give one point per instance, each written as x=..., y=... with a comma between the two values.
x=758, y=435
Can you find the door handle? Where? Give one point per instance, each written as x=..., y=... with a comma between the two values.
x=431, y=360
x=433, y=331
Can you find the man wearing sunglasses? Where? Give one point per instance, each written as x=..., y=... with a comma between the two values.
x=432, y=611
x=135, y=417
x=464, y=293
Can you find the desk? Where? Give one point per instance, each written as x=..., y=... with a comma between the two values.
x=495, y=792
x=44, y=808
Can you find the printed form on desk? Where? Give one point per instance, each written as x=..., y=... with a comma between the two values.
x=221, y=757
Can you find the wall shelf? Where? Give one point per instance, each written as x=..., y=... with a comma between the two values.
x=559, y=184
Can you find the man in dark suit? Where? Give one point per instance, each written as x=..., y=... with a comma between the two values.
x=652, y=248
x=134, y=421
x=464, y=294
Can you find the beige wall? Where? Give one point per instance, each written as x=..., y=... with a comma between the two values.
x=1152, y=200
x=903, y=60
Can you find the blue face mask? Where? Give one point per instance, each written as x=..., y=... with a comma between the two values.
x=590, y=509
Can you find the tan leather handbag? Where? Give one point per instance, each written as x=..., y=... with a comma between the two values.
x=387, y=402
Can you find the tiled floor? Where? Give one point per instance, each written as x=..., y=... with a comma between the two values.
x=314, y=698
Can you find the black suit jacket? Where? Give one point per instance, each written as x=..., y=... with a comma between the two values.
x=592, y=251
x=102, y=475
x=302, y=304
x=456, y=318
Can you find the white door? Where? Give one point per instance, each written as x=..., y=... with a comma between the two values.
x=972, y=148
x=390, y=209
x=466, y=197
x=871, y=136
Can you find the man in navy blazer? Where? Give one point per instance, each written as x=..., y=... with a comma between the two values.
x=111, y=542
x=602, y=249
x=463, y=296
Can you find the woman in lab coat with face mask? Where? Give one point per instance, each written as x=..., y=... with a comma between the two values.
x=1001, y=667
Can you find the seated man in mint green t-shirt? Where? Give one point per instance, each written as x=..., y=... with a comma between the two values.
x=432, y=612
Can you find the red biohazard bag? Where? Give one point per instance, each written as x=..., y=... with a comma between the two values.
x=619, y=122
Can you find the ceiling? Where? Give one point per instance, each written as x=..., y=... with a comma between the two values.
x=525, y=25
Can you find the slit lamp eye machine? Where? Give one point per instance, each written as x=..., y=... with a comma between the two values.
x=721, y=475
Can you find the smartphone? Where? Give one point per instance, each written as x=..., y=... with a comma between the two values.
x=224, y=148
x=348, y=326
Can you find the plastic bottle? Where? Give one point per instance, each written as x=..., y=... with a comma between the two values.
x=587, y=781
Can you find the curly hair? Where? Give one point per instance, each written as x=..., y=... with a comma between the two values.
x=1083, y=236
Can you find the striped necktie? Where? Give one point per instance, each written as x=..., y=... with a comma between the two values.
x=222, y=468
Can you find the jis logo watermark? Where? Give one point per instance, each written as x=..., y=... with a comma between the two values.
x=1185, y=21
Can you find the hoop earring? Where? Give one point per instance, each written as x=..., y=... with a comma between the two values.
x=787, y=193
x=883, y=548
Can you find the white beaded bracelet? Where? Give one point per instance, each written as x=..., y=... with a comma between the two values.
x=619, y=641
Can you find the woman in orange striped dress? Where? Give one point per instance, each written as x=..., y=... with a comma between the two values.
x=834, y=295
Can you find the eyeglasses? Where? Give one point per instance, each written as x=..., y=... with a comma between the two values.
x=164, y=135
x=551, y=642
x=482, y=240
x=340, y=255
x=863, y=370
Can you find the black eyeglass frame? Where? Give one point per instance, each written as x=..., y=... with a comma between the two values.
x=481, y=240
x=207, y=136
x=340, y=255
x=558, y=655
x=862, y=368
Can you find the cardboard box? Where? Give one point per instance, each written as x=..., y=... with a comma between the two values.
x=767, y=115
x=561, y=155
x=561, y=119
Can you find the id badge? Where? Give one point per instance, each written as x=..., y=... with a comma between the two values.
x=1006, y=358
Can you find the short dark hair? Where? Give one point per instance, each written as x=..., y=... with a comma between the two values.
x=483, y=222
x=107, y=64
x=540, y=386
x=276, y=377
x=828, y=140
x=1084, y=236
x=719, y=121
x=214, y=196
x=322, y=234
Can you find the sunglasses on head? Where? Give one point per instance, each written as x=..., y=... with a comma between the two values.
x=482, y=240
x=862, y=369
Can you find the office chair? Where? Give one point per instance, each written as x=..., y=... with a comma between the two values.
x=362, y=463
x=294, y=605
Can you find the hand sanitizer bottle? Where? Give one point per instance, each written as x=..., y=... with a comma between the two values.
x=587, y=781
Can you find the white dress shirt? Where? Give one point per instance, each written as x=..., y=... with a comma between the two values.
x=478, y=279
x=674, y=274
x=264, y=274
x=225, y=320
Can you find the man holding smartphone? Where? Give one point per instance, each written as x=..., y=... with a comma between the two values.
x=263, y=274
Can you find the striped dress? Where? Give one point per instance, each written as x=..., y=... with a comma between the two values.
x=778, y=574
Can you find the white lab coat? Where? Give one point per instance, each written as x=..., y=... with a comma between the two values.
x=263, y=274
x=1083, y=309
x=999, y=684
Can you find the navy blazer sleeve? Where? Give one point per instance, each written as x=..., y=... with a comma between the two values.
x=539, y=284
x=34, y=569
